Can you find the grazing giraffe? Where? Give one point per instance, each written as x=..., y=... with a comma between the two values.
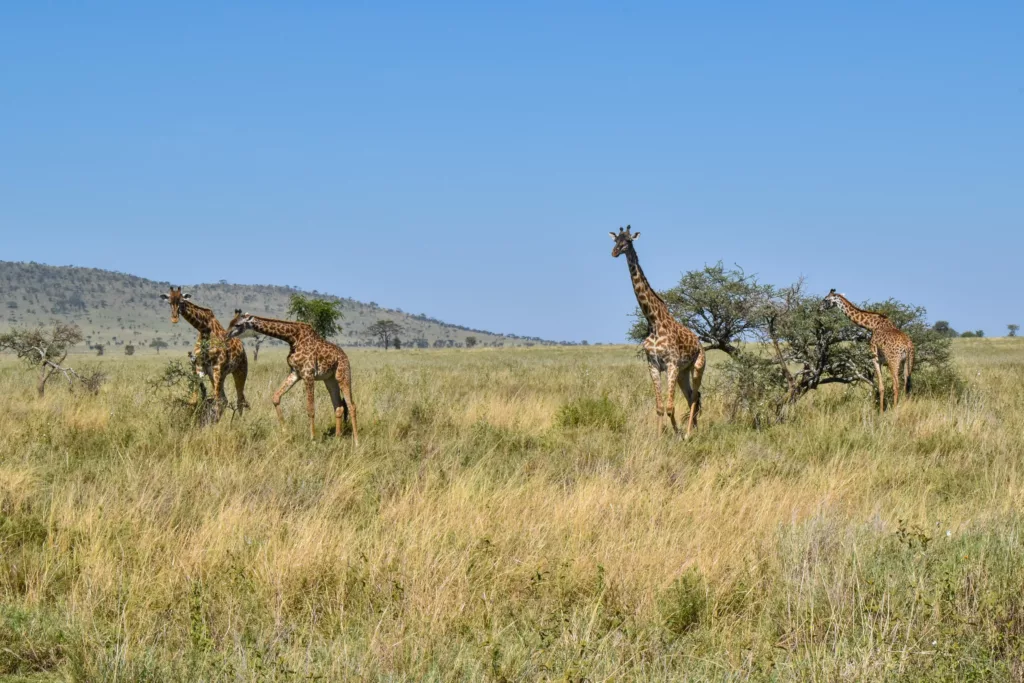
x=310, y=357
x=885, y=336
x=671, y=348
x=215, y=354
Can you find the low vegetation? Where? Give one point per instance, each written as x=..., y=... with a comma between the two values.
x=512, y=515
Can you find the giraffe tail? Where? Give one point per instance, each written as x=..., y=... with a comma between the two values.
x=910, y=372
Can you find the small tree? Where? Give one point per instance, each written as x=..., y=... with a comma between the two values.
x=257, y=342
x=99, y=348
x=1011, y=330
x=46, y=349
x=942, y=327
x=397, y=342
x=129, y=350
x=384, y=331
x=321, y=314
x=471, y=341
x=158, y=344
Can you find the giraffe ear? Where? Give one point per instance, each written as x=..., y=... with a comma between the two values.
x=636, y=236
x=611, y=233
x=186, y=296
x=164, y=297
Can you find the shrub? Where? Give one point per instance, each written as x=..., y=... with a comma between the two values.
x=592, y=412
x=684, y=603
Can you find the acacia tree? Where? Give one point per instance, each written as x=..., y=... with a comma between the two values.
x=321, y=314
x=471, y=341
x=46, y=349
x=158, y=344
x=1011, y=330
x=384, y=331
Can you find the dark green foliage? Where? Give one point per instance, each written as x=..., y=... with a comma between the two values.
x=592, y=412
x=1011, y=330
x=129, y=350
x=943, y=328
x=321, y=314
x=471, y=342
x=158, y=344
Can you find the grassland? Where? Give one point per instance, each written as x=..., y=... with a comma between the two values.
x=511, y=515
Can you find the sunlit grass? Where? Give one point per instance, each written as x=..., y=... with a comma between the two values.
x=511, y=515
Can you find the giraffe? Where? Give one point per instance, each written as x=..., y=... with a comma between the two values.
x=885, y=337
x=221, y=356
x=310, y=357
x=671, y=348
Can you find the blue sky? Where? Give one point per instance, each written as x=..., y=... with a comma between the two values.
x=468, y=160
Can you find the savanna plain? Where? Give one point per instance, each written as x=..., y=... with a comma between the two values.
x=510, y=514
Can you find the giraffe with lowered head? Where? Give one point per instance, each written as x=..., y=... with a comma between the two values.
x=670, y=348
x=215, y=354
x=311, y=358
x=885, y=337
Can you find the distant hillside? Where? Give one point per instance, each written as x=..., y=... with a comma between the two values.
x=116, y=309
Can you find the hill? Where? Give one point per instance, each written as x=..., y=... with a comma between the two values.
x=115, y=309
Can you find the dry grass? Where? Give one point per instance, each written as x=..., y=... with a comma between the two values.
x=476, y=535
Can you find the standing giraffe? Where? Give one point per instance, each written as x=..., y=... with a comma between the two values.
x=310, y=357
x=215, y=354
x=885, y=336
x=671, y=348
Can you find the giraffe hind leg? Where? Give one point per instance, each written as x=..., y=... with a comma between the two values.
x=894, y=370
x=344, y=380
x=693, y=399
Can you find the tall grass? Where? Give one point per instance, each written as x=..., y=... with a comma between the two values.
x=511, y=515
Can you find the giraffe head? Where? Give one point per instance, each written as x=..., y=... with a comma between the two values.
x=623, y=241
x=241, y=325
x=831, y=301
x=175, y=298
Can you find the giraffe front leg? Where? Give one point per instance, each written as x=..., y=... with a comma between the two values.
x=288, y=383
x=656, y=378
x=672, y=376
x=881, y=384
x=311, y=407
x=219, y=399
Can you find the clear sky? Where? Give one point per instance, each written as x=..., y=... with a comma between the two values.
x=468, y=160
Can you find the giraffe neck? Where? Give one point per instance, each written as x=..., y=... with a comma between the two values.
x=285, y=330
x=654, y=309
x=869, y=320
x=200, y=318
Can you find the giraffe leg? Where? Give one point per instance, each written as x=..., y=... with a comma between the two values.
x=656, y=378
x=693, y=398
x=288, y=383
x=881, y=383
x=311, y=407
x=239, y=376
x=217, y=375
x=337, y=401
x=894, y=370
x=907, y=371
x=344, y=378
x=672, y=377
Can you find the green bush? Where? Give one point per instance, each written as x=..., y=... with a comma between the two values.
x=684, y=603
x=592, y=412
